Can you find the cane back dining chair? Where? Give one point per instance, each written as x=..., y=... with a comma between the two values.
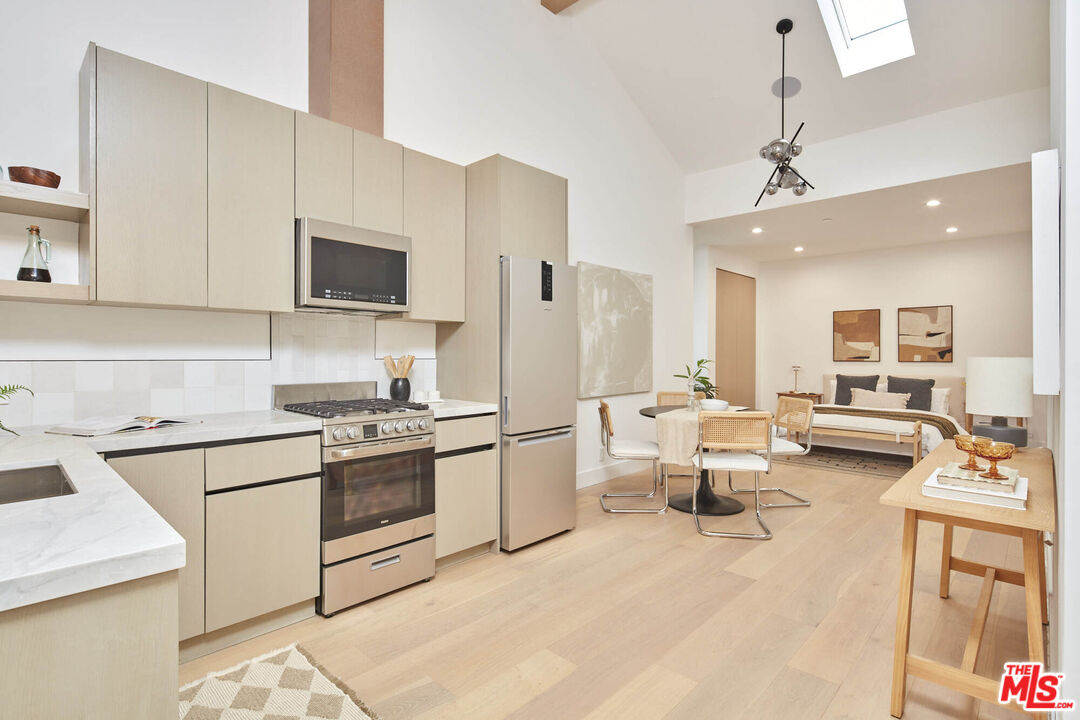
x=794, y=417
x=732, y=442
x=630, y=450
x=675, y=397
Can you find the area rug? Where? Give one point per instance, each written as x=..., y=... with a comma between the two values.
x=851, y=461
x=285, y=684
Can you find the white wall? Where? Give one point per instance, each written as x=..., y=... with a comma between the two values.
x=256, y=46
x=986, y=280
x=465, y=80
x=993, y=133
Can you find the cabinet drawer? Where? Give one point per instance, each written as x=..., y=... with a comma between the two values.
x=355, y=581
x=250, y=463
x=464, y=432
x=262, y=550
x=466, y=502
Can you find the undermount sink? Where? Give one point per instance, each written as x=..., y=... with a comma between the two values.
x=34, y=483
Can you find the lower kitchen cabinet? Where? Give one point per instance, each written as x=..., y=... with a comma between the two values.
x=172, y=483
x=466, y=494
x=262, y=550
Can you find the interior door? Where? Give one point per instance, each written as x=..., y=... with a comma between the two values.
x=539, y=345
x=735, y=373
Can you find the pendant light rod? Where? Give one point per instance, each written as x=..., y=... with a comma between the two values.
x=783, y=79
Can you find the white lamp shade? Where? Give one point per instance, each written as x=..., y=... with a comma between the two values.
x=999, y=386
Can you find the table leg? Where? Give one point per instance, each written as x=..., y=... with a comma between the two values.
x=1033, y=595
x=1042, y=579
x=708, y=502
x=946, y=561
x=903, y=613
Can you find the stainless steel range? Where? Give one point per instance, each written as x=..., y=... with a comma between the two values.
x=378, y=489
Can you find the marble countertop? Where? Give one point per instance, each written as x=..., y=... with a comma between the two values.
x=461, y=408
x=211, y=428
x=103, y=534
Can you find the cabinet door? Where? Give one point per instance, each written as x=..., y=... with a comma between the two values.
x=533, y=212
x=435, y=220
x=250, y=202
x=151, y=184
x=172, y=483
x=376, y=183
x=323, y=169
x=262, y=550
x=466, y=502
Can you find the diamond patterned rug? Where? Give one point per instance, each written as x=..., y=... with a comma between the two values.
x=286, y=684
x=851, y=461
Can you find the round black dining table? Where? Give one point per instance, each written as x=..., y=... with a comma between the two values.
x=708, y=502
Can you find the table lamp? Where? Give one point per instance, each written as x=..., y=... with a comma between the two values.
x=1000, y=387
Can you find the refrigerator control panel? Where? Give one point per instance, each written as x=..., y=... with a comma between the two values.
x=545, y=281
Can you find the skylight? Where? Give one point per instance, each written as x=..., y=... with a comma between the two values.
x=866, y=34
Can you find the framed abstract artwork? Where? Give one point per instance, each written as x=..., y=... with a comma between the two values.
x=925, y=334
x=856, y=335
x=615, y=331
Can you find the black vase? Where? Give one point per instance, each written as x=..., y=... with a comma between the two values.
x=400, y=389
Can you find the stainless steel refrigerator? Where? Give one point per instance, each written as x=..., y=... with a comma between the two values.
x=538, y=388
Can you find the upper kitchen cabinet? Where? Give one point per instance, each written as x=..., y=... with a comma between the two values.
x=376, y=183
x=435, y=220
x=532, y=211
x=324, y=169
x=147, y=180
x=250, y=203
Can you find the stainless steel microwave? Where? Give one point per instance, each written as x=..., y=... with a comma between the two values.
x=347, y=268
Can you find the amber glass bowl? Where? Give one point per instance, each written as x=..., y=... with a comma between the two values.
x=993, y=451
x=966, y=443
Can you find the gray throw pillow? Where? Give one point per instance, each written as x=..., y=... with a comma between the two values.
x=919, y=388
x=844, y=383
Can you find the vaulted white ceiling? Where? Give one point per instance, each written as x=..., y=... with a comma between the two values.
x=701, y=70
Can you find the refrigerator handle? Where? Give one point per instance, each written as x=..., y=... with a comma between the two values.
x=544, y=436
x=506, y=410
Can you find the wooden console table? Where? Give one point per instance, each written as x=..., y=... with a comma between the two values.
x=1037, y=465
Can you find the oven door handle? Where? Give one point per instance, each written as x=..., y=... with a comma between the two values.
x=383, y=448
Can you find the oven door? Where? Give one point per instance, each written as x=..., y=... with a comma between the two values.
x=339, y=266
x=376, y=495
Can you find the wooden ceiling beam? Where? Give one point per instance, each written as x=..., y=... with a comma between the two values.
x=557, y=6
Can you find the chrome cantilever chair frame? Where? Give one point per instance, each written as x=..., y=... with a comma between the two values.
x=659, y=472
x=789, y=428
x=766, y=446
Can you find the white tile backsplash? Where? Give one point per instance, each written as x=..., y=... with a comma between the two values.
x=305, y=347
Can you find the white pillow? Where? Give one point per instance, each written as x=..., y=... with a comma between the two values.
x=939, y=400
x=886, y=400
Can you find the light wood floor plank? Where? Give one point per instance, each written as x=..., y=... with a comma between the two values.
x=640, y=617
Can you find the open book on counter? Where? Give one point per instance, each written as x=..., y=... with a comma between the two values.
x=94, y=426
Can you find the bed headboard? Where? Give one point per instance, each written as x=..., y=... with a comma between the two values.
x=955, y=383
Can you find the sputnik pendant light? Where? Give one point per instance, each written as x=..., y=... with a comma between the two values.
x=780, y=151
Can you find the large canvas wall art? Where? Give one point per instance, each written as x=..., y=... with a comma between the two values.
x=615, y=323
x=925, y=334
x=856, y=336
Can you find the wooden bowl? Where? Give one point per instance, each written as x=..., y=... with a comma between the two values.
x=33, y=176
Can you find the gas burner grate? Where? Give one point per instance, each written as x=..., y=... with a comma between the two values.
x=341, y=408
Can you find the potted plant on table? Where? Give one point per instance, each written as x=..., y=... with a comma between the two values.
x=7, y=391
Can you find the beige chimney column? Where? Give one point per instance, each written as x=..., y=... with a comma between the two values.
x=345, y=62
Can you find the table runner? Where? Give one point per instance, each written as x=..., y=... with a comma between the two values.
x=677, y=435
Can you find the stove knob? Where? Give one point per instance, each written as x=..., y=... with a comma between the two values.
x=410, y=425
x=352, y=432
x=422, y=424
x=339, y=434
x=399, y=426
x=387, y=428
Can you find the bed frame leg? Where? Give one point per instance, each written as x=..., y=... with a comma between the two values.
x=916, y=444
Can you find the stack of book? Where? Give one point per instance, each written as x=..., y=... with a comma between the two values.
x=952, y=483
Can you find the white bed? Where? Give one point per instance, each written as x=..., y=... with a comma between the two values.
x=921, y=432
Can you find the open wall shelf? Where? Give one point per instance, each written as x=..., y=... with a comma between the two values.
x=43, y=202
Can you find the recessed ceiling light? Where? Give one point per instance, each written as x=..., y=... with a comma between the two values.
x=951, y=229
x=756, y=231
x=799, y=249
x=933, y=203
